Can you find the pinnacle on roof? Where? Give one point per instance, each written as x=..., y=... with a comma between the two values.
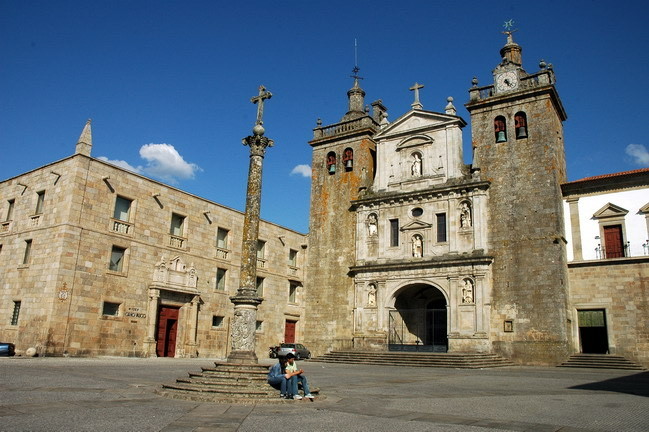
x=84, y=144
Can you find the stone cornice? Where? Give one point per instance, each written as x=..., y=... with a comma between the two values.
x=477, y=258
x=444, y=188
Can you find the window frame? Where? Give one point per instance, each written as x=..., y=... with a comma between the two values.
x=27, y=255
x=40, y=202
x=441, y=234
x=221, y=279
x=177, y=217
x=15, y=315
x=120, y=266
x=394, y=232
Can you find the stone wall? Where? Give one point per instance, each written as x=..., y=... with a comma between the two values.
x=525, y=226
x=63, y=288
x=332, y=234
x=621, y=288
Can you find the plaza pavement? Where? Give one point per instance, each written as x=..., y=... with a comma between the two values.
x=117, y=394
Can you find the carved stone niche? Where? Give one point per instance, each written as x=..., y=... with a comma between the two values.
x=174, y=275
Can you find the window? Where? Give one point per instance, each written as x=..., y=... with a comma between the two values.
x=222, y=238
x=177, y=225
x=441, y=227
x=16, y=313
x=292, y=293
x=217, y=321
x=10, y=209
x=500, y=129
x=520, y=122
x=122, y=208
x=394, y=232
x=28, y=252
x=261, y=249
x=110, y=309
x=39, y=202
x=331, y=163
x=348, y=159
x=117, y=258
x=259, y=326
x=292, y=257
x=260, y=286
x=220, y=279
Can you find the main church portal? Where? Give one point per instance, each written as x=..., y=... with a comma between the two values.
x=418, y=321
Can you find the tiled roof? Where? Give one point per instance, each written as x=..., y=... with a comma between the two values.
x=605, y=176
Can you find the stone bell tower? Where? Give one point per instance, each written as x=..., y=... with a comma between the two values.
x=517, y=137
x=342, y=169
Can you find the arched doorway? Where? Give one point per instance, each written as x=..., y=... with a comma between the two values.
x=418, y=321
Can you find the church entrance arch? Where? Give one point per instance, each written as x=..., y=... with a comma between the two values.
x=418, y=321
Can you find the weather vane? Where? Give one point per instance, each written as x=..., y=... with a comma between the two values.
x=356, y=68
x=508, y=27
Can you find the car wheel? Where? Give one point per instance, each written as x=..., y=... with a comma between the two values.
x=308, y=356
x=297, y=356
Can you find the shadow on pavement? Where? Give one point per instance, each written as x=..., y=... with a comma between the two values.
x=637, y=384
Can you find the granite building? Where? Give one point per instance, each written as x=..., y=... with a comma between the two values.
x=96, y=260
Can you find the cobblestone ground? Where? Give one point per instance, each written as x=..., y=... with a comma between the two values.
x=107, y=394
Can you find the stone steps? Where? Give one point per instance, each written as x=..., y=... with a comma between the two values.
x=227, y=383
x=600, y=361
x=441, y=360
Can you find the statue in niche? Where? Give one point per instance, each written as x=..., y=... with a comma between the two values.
x=416, y=165
x=371, y=296
x=465, y=215
x=467, y=292
x=417, y=246
x=372, y=225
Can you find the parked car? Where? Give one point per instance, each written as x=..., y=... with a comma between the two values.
x=7, y=349
x=298, y=350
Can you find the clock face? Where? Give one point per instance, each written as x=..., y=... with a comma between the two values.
x=507, y=81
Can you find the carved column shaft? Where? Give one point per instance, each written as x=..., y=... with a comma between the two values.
x=246, y=301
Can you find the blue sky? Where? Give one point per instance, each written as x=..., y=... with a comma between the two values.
x=168, y=83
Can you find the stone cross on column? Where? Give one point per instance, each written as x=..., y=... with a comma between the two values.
x=259, y=100
x=242, y=329
x=416, y=104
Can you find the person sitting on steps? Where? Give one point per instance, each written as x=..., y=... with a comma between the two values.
x=279, y=379
x=296, y=376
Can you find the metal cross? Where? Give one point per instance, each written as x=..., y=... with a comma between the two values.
x=263, y=95
x=416, y=88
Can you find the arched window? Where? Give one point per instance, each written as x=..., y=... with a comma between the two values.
x=520, y=120
x=331, y=163
x=348, y=159
x=500, y=129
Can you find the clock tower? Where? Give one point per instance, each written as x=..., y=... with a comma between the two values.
x=517, y=139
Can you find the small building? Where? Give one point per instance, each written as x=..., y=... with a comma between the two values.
x=607, y=226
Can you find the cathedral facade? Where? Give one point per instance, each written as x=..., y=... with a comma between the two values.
x=426, y=253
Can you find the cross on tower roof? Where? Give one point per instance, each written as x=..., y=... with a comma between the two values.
x=261, y=97
x=416, y=104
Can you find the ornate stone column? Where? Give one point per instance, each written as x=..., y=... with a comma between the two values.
x=246, y=301
x=152, y=313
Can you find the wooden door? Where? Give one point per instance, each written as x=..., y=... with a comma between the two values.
x=289, y=332
x=613, y=241
x=167, y=330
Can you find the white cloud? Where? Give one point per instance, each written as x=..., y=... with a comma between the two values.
x=121, y=164
x=162, y=161
x=303, y=170
x=639, y=154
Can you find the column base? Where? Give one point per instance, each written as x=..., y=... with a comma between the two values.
x=243, y=357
